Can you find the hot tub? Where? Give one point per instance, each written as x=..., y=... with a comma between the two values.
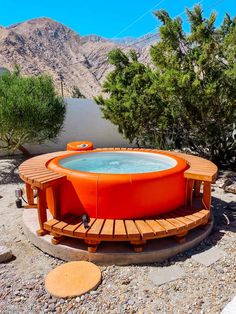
x=119, y=184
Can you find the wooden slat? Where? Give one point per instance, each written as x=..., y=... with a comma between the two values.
x=49, y=182
x=28, y=178
x=132, y=231
x=62, y=224
x=198, y=213
x=72, y=226
x=184, y=220
x=32, y=170
x=107, y=229
x=144, y=229
x=188, y=215
x=50, y=223
x=81, y=232
x=179, y=225
x=119, y=230
x=170, y=228
x=46, y=176
x=156, y=227
x=41, y=177
x=94, y=231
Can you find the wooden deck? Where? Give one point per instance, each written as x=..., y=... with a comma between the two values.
x=201, y=172
x=137, y=232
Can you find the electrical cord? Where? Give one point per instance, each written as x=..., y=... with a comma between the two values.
x=24, y=200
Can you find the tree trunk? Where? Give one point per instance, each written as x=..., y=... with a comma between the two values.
x=24, y=150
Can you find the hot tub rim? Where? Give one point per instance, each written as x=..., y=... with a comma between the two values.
x=181, y=166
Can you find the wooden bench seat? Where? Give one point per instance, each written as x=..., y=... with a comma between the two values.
x=176, y=223
x=200, y=169
x=34, y=171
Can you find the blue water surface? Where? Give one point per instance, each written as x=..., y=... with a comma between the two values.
x=118, y=162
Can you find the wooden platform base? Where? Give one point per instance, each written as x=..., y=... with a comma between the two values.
x=137, y=232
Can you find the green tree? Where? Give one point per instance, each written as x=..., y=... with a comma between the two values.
x=76, y=93
x=30, y=111
x=132, y=103
x=193, y=84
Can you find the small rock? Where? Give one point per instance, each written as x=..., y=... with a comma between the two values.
x=18, y=299
x=125, y=282
x=5, y=254
x=51, y=307
x=130, y=302
x=223, y=182
x=231, y=188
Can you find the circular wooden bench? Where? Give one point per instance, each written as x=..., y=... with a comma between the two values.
x=196, y=211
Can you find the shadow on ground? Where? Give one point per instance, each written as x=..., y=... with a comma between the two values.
x=220, y=210
x=9, y=169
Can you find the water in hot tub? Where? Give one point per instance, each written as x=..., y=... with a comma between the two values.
x=118, y=162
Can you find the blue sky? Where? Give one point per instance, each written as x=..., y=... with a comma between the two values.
x=107, y=18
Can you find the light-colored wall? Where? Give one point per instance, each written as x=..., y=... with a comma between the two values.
x=84, y=122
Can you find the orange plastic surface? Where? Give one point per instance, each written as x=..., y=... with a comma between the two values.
x=79, y=146
x=121, y=196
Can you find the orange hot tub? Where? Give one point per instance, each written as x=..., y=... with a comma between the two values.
x=119, y=195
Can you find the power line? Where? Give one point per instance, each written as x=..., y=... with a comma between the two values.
x=157, y=34
x=137, y=20
x=150, y=35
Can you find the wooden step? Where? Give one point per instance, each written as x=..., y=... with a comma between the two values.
x=174, y=223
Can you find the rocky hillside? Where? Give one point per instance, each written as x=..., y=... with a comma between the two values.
x=46, y=46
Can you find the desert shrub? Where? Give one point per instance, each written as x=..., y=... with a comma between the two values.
x=30, y=111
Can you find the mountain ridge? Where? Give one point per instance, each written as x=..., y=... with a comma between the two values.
x=43, y=45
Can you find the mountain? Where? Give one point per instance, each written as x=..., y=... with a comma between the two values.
x=141, y=42
x=43, y=45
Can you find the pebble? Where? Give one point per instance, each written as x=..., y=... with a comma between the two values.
x=5, y=254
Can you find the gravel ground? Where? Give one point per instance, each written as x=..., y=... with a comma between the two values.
x=125, y=289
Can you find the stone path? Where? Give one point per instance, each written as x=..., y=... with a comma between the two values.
x=209, y=257
x=167, y=274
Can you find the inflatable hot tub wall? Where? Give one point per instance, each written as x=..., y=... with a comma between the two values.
x=120, y=196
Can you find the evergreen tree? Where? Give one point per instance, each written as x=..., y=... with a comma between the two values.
x=188, y=99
